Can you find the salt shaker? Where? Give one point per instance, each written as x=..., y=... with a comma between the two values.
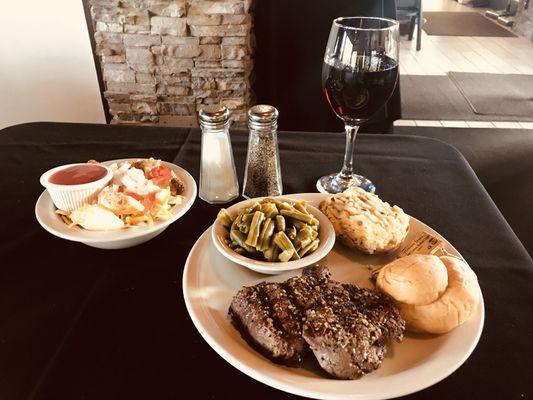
x=262, y=176
x=218, y=178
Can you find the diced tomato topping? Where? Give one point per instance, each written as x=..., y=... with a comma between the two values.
x=159, y=175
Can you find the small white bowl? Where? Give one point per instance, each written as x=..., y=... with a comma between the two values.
x=326, y=234
x=70, y=197
x=120, y=238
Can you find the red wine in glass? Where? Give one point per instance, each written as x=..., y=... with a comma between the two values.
x=359, y=74
x=356, y=93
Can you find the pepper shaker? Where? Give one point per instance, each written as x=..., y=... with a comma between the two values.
x=218, y=178
x=262, y=176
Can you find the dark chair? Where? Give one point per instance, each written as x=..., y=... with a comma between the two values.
x=291, y=37
x=411, y=10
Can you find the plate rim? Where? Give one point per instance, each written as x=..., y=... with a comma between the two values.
x=265, y=379
x=44, y=200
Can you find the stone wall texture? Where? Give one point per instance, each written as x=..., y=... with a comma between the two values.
x=162, y=60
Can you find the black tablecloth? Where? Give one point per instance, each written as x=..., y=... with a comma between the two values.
x=83, y=323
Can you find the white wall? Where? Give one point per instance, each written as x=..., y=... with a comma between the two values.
x=47, y=72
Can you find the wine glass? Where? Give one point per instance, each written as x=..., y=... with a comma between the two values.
x=359, y=74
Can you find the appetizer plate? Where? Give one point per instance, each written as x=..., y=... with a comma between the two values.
x=211, y=280
x=45, y=212
x=326, y=234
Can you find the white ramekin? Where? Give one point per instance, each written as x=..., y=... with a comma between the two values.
x=70, y=197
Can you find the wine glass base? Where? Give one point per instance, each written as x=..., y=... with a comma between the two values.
x=334, y=183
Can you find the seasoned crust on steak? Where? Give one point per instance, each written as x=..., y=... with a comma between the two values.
x=307, y=288
x=379, y=308
x=254, y=320
x=286, y=314
x=345, y=346
x=346, y=327
x=269, y=315
x=349, y=333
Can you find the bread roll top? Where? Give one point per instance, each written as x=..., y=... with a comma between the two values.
x=415, y=279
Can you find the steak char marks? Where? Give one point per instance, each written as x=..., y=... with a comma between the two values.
x=347, y=328
x=350, y=331
x=270, y=315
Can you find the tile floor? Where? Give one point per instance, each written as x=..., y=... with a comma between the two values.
x=442, y=54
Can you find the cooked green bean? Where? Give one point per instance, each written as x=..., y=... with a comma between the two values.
x=272, y=229
x=286, y=255
x=266, y=234
x=299, y=224
x=269, y=209
x=244, y=226
x=255, y=206
x=291, y=232
x=299, y=216
x=283, y=205
x=224, y=218
x=280, y=223
x=255, y=228
x=239, y=238
x=303, y=243
x=236, y=221
x=309, y=248
x=305, y=233
x=301, y=206
x=247, y=217
x=284, y=243
x=272, y=253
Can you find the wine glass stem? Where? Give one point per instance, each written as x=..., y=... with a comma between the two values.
x=347, y=168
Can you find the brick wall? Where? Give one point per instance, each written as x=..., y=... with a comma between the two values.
x=162, y=60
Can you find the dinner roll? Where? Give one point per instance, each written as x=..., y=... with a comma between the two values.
x=415, y=279
x=456, y=305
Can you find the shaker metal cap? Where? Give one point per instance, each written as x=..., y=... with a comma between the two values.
x=263, y=113
x=214, y=116
x=263, y=116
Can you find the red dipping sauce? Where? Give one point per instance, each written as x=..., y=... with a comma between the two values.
x=78, y=174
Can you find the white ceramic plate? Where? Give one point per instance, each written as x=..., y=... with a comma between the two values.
x=210, y=281
x=117, y=239
x=326, y=234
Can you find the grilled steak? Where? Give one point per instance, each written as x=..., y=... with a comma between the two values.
x=270, y=315
x=349, y=333
x=254, y=317
x=346, y=327
x=379, y=308
x=307, y=289
x=345, y=346
x=287, y=315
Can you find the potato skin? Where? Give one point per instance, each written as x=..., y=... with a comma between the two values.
x=363, y=221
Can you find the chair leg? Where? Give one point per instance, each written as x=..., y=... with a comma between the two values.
x=412, y=27
x=419, y=31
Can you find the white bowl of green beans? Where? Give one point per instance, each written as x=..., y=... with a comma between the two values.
x=273, y=235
